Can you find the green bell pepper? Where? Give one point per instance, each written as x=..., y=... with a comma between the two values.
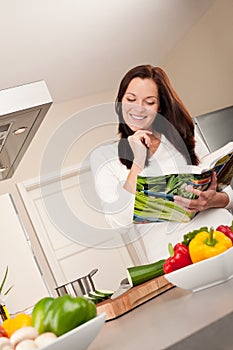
x=38, y=313
x=67, y=312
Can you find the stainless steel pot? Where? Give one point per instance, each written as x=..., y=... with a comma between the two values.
x=78, y=287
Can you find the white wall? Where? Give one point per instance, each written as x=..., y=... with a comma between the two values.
x=200, y=67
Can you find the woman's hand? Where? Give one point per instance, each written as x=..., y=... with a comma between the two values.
x=139, y=142
x=206, y=199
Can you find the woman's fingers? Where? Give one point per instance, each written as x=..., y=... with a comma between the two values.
x=139, y=142
x=213, y=185
x=207, y=199
x=203, y=199
x=141, y=135
x=185, y=203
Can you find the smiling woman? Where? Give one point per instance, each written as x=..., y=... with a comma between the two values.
x=156, y=135
x=140, y=104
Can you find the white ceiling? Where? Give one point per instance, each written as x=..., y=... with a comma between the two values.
x=83, y=47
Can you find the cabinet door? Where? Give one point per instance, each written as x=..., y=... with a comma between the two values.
x=16, y=253
x=53, y=207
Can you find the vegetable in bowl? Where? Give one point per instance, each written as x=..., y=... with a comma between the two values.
x=62, y=314
x=211, y=253
x=207, y=244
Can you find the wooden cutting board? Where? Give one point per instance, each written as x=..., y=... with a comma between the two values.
x=133, y=297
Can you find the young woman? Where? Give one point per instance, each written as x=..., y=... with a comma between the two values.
x=156, y=134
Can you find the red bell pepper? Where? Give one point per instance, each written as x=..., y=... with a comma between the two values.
x=227, y=230
x=3, y=333
x=179, y=257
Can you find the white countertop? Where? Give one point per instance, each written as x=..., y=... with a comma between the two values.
x=166, y=319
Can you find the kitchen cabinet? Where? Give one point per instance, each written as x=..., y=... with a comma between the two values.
x=16, y=253
x=53, y=204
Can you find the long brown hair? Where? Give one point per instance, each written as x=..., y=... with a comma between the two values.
x=173, y=119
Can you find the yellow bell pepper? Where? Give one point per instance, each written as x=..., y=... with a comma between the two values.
x=207, y=244
x=12, y=324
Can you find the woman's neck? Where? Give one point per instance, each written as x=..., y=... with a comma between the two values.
x=155, y=142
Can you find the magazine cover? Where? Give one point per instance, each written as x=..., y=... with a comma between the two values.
x=154, y=196
x=224, y=171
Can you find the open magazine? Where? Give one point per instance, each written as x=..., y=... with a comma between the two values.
x=154, y=194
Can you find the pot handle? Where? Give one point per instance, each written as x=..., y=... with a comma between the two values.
x=92, y=272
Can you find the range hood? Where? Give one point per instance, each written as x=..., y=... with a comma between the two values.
x=22, y=109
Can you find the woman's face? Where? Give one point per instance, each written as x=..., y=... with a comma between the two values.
x=140, y=104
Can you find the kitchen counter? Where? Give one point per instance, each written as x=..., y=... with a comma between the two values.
x=175, y=317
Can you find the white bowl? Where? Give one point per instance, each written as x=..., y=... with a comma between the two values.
x=205, y=273
x=80, y=337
